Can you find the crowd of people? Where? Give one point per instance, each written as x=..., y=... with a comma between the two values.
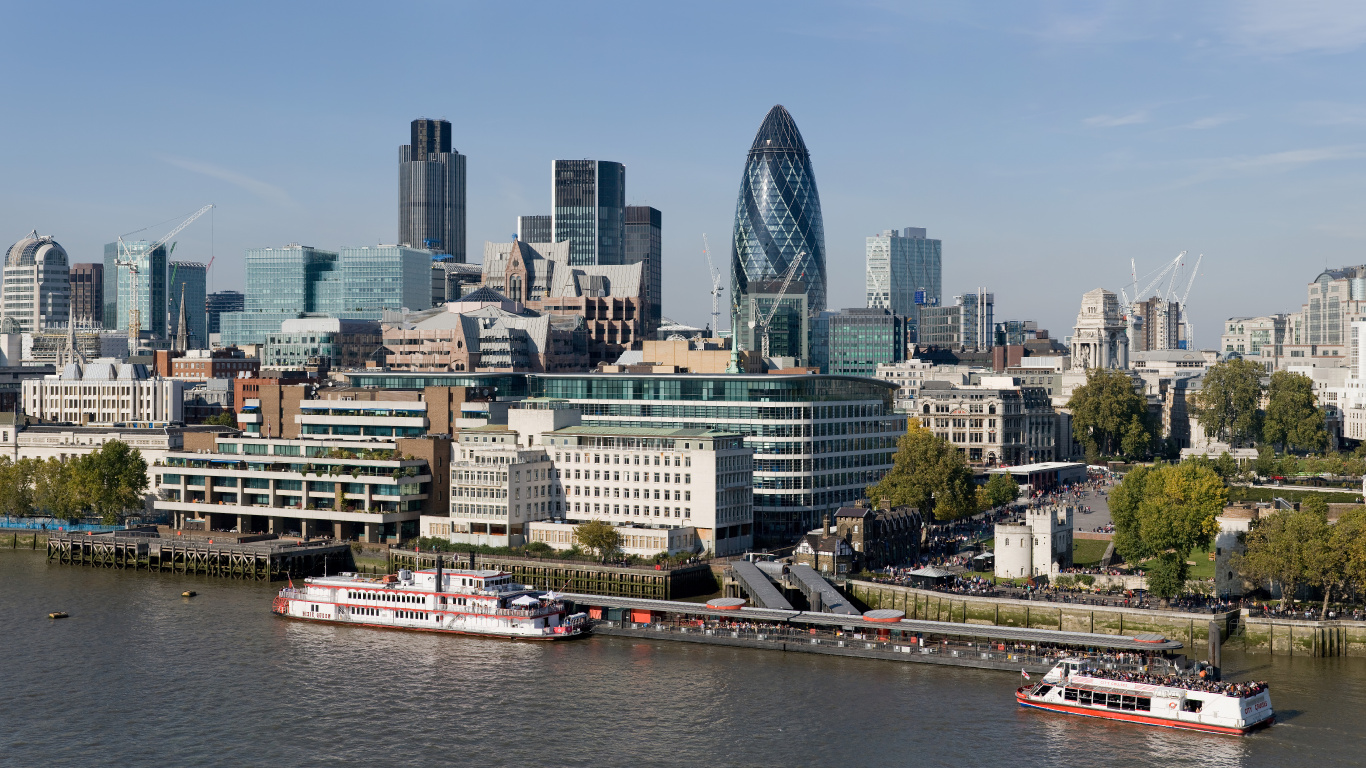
x=1199, y=682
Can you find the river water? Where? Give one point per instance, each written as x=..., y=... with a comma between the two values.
x=141, y=676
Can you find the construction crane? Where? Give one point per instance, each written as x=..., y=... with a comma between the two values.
x=761, y=326
x=1157, y=278
x=124, y=258
x=716, y=288
x=1190, y=329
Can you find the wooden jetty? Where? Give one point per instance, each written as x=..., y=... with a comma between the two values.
x=252, y=561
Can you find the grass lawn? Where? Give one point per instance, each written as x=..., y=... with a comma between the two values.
x=1088, y=552
x=1203, y=568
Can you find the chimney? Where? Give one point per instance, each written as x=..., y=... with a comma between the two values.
x=825, y=524
x=885, y=503
x=438, y=573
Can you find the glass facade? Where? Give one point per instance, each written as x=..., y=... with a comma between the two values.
x=589, y=199
x=535, y=229
x=644, y=245
x=192, y=276
x=431, y=191
x=777, y=220
x=899, y=265
x=380, y=277
x=219, y=302
x=151, y=287
x=860, y=339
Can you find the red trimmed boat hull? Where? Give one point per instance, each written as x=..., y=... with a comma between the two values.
x=1133, y=717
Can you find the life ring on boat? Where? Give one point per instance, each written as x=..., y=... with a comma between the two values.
x=1171, y=705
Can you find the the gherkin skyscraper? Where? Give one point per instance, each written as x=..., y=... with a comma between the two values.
x=777, y=222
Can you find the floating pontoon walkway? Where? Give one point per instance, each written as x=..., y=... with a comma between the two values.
x=756, y=584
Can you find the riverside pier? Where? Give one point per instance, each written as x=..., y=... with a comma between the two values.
x=261, y=560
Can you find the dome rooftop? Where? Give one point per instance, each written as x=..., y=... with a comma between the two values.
x=778, y=133
x=36, y=249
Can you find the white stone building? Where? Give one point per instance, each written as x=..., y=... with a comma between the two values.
x=105, y=391
x=1040, y=545
x=36, y=294
x=1100, y=338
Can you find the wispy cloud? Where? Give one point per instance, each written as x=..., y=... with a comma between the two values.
x=1301, y=26
x=1272, y=162
x=1113, y=121
x=268, y=192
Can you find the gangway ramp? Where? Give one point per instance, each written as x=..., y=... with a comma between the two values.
x=756, y=584
x=821, y=594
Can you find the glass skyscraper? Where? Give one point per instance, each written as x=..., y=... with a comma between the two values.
x=192, y=276
x=220, y=302
x=899, y=265
x=589, y=206
x=535, y=229
x=431, y=191
x=777, y=221
x=151, y=297
x=644, y=245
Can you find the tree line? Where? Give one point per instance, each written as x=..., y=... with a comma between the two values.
x=108, y=483
x=930, y=474
x=1296, y=548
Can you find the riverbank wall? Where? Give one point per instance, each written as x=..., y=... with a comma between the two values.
x=1190, y=629
x=1291, y=637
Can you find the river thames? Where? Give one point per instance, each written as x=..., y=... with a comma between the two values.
x=142, y=676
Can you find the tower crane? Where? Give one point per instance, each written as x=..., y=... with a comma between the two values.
x=761, y=326
x=716, y=288
x=125, y=258
x=1161, y=273
x=1190, y=329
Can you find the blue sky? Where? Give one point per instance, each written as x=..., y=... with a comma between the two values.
x=1046, y=143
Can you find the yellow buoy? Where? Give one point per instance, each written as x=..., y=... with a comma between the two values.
x=57, y=615
x=190, y=593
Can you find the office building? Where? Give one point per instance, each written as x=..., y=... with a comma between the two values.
x=87, y=295
x=431, y=191
x=207, y=365
x=777, y=224
x=321, y=341
x=1014, y=333
x=535, y=229
x=589, y=210
x=104, y=391
x=967, y=324
x=484, y=332
x=452, y=280
x=1100, y=338
x=37, y=285
x=379, y=277
x=861, y=339
x=151, y=299
x=644, y=246
x=997, y=421
x=1155, y=325
x=188, y=279
x=903, y=272
x=219, y=302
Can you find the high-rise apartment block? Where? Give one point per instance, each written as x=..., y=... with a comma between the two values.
x=644, y=246
x=141, y=285
x=904, y=271
x=37, y=284
x=589, y=210
x=188, y=279
x=431, y=191
x=87, y=294
x=219, y=302
x=535, y=229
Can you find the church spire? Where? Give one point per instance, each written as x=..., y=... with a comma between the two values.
x=182, y=333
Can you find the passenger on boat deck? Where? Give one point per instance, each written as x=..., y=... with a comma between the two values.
x=1241, y=690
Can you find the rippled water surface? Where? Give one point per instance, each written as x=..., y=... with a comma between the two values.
x=140, y=676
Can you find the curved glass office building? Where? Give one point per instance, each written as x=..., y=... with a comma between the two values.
x=777, y=220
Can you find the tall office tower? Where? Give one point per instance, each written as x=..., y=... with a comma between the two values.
x=589, y=199
x=535, y=229
x=282, y=284
x=188, y=279
x=777, y=222
x=978, y=326
x=431, y=191
x=151, y=300
x=37, y=284
x=219, y=302
x=87, y=294
x=899, y=267
x=644, y=246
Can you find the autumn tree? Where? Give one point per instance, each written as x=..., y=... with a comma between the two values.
x=599, y=536
x=1228, y=403
x=1163, y=513
x=1104, y=408
x=929, y=474
x=1285, y=547
x=1293, y=419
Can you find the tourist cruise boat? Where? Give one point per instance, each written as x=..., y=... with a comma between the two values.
x=437, y=600
x=1172, y=701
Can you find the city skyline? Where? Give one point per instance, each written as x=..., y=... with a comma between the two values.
x=1111, y=135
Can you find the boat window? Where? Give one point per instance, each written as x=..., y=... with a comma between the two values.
x=1043, y=690
x=1084, y=697
x=1127, y=703
x=1069, y=694
x=1192, y=705
x=1145, y=704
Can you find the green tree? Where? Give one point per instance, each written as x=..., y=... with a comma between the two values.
x=1349, y=534
x=1293, y=419
x=1138, y=440
x=1103, y=409
x=54, y=490
x=1165, y=512
x=224, y=419
x=111, y=481
x=598, y=536
x=1227, y=405
x=1286, y=548
x=1000, y=489
x=929, y=474
x=16, y=487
